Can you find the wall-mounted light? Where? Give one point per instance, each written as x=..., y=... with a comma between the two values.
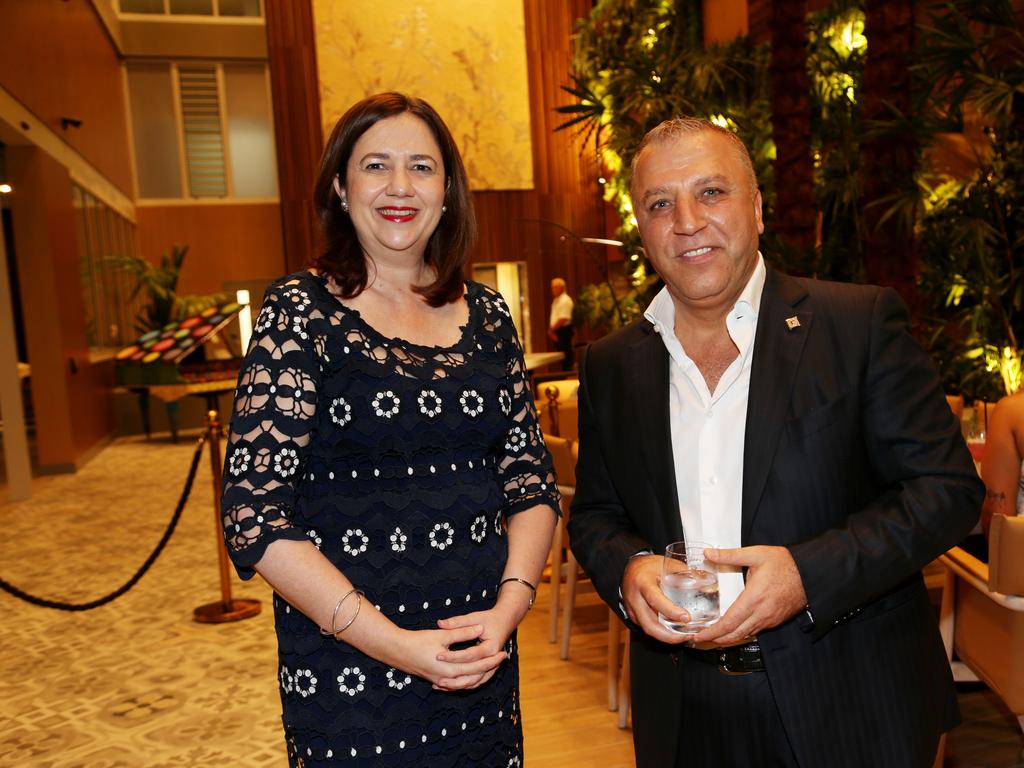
x=5, y=188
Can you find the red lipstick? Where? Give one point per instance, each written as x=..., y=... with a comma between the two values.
x=398, y=213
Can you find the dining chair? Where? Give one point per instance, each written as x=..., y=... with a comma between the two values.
x=618, y=674
x=563, y=455
x=982, y=614
x=557, y=412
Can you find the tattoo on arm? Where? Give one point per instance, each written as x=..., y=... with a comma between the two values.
x=997, y=497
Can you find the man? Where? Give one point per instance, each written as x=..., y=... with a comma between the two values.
x=560, y=323
x=796, y=427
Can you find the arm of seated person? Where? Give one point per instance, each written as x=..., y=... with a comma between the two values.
x=1000, y=466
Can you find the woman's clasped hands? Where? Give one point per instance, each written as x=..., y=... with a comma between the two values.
x=475, y=665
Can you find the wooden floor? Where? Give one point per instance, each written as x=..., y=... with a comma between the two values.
x=566, y=721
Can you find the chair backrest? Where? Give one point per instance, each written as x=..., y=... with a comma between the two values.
x=562, y=456
x=1006, y=555
x=566, y=388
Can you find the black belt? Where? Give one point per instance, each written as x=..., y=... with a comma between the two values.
x=733, y=660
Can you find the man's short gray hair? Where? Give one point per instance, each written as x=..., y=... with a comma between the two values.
x=685, y=126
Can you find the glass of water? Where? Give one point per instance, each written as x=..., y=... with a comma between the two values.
x=691, y=583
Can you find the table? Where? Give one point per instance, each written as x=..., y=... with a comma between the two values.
x=172, y=393
x=540, y=359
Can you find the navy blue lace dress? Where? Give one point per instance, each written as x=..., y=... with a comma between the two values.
x=400, y=463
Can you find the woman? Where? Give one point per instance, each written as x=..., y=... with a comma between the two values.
x=1002, y=461
x=384, y=472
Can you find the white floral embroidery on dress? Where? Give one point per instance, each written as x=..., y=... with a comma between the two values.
x=265, y=319
x=299, y=327
x=397, y=680
x=351, y=681
x=398, y=539
x=355, y=542
x=287, y=681
x=341, y=411
x=440, y=530
x=514, y=762
x=386, y=404
x=516, y=440
x=239, y=461
x=315, y=537
x=298, y=298
x=472, y=403
x=430, y=403
x=286, y=462
x=478, y=530
x=305, y=682
x=505, y=401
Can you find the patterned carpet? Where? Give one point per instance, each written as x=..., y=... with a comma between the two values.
x=136, y=682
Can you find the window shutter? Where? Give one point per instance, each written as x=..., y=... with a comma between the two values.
x=204, y=139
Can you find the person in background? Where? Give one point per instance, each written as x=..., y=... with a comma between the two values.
x=796, y=427
x=384, y=470
x=560, y=324
x=1002, y=461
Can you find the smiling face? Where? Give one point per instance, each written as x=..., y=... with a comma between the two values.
x=699, y=215
x=395, y=186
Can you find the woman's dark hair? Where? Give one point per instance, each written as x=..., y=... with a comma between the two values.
x=343, y=258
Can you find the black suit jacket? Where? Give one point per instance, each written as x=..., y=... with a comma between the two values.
x=853, y=460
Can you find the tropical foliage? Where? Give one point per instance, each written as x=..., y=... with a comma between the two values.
x=160, y=284
x=971, y=70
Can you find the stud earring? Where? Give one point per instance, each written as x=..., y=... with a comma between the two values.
x=444, y=208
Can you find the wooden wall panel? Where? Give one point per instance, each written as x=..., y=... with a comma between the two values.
x=70, y=395
x=291, y=48
x=56, y=59
x=227, y=242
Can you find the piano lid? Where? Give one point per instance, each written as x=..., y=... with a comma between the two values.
x=176, y=341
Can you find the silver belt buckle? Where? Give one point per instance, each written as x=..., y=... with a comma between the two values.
x=723, y=667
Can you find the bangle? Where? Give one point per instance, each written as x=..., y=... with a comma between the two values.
x=337, y=607
x=525, y=583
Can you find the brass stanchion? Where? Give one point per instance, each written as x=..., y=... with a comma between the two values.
x=226, y=609
x=551, y=392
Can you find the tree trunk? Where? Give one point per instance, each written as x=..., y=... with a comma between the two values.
x=888, y=163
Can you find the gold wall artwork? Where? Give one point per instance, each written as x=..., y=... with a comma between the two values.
x=466, y=58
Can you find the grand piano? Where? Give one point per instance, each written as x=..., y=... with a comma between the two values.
x=199, y=355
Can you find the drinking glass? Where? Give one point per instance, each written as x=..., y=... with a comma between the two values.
x=972, y=425
x=691, y=583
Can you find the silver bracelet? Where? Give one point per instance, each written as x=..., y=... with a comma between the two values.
x=337, y=607
x=525, y=583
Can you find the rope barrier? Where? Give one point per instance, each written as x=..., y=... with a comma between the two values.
x=62, y=606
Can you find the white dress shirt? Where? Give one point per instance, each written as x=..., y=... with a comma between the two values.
x=561, y=309
x=708, y=428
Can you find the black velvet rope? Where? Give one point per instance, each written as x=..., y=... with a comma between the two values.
x=62, y=606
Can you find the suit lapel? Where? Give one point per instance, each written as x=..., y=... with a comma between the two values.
x=649, y=385
x=778, y=347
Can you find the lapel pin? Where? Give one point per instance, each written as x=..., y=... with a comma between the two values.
x=792, y=322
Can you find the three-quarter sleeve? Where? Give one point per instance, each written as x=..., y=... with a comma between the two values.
x=526, y=471
x=272, y=423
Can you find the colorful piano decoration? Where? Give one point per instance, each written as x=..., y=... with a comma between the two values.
x=156, y=357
